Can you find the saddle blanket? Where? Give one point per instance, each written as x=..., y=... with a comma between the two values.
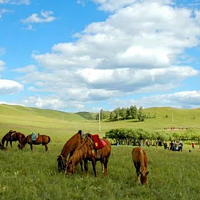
x=98, y=143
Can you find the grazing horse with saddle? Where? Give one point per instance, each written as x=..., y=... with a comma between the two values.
x=140, y=160
x=91, y=149
x=35, y=139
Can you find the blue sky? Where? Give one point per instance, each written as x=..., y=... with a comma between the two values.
x=86, y=55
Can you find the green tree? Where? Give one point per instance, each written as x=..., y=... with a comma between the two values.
x=117, y=112
x=112, y=116
x=123, y=113
x=133, y=112
x=128, y=113
x=141, y=115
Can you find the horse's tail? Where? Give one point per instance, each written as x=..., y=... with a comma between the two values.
x=49, y=139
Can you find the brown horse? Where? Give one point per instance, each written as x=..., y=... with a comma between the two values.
x=69, y=149
x=86, y=152
x=12, y=136
x=41, y=139
x=140, y=160
x=17, y=136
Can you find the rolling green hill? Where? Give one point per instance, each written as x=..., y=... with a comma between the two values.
x=21, y=111
x=65, y=124
x=27, y=119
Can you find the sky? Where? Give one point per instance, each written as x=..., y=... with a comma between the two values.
x=86, y=55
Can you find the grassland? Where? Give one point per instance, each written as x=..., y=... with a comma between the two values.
x=33, y=175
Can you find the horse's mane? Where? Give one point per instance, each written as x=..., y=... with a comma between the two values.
x=82, y=144
x=142, y=161
x=68, y=147
x=79, y=152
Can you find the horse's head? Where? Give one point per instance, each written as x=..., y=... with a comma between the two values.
x=143, y=178
x=70, y=167
x=20, y=146
x=61, y=163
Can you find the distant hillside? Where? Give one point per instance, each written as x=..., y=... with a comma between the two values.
x=15, y=111
x=175, y=114
x=87, y=115
x=28, y=119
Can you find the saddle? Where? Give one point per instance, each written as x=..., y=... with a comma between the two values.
x=34, y=137
x=98, y=143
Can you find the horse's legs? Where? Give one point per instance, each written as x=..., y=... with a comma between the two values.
x=81, y=164
x=102, y=165
x=94, y=167
x=46, y=147
x=86, y=167
x=31, y=146
x=6, y=143
x=11, y=143
x=105, y=167
x=137, y=171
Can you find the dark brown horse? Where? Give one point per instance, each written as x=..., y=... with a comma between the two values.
x=12, y=136
x=140, y=160
x=87, y=152
x=69, y=149
x=41, y=139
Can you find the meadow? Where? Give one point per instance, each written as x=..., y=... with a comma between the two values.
x=33, y=175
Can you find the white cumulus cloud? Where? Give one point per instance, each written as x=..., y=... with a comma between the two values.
x=9, y=87
x=135, y=50
x=112, y=5
x=184, y=99
x=44, y=17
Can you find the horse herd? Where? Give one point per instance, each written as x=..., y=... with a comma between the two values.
x=80, y=148
x=13, y=136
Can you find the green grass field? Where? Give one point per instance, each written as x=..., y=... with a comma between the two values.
x=33, y=175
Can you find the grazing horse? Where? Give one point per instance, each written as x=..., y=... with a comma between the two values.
x=69, y=149
x=86, y=152
x=17, y=136
x=140, y=160
x=41, y=139
x=12, y=136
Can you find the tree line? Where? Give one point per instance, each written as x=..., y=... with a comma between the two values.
x=138, y=136
x=123, y=113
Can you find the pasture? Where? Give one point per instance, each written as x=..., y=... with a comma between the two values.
x=34, y=175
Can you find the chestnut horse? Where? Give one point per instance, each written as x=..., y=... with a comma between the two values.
x=41, y=139
x=140, y=160
x=86, y=152
x=12, y=136
x=69, y=149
